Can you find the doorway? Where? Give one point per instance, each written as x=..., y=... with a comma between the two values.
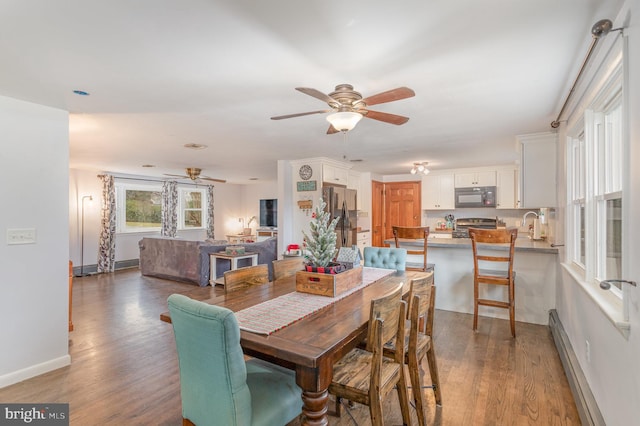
x=393, y=204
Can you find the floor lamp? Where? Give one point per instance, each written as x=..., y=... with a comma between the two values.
x=82, y=238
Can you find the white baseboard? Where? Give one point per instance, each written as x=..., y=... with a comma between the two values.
x=34, y=370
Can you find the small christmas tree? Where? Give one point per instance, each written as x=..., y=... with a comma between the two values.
x=321, y=245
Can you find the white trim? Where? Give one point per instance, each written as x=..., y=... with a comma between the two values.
x=610, y=305
x=34, y=370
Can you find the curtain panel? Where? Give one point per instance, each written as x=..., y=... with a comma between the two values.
x=210, y=216
x=107, y=240
x=169, y=209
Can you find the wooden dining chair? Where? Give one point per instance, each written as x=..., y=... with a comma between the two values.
x=418, y=342
x=416, y=234
x=287, y=267
x=484, y=273
x=366, y=376
x=240, y=278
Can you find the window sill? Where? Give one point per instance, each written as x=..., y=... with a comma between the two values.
x=610, y=305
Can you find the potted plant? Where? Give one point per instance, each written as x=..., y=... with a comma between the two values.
x=321, y=276
x=321, y=243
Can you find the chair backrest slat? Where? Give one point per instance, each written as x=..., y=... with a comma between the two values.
x=240, y=278
x=287, y=267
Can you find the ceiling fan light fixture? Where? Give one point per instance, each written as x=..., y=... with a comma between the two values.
x=344, y=120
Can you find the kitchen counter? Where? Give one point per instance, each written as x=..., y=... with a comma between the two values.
x=536, y=266
x=523, y=244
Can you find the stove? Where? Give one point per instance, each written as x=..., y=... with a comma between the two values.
x=463, y=225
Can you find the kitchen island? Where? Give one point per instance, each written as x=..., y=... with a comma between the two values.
x=536, y=269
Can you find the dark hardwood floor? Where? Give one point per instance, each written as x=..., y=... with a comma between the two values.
x=124, y=368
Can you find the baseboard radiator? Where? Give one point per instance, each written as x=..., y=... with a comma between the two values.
x=587, y=407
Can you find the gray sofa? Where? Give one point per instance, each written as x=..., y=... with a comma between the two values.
x=188, y=260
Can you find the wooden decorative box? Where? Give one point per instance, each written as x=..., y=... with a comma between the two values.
x=330, y=285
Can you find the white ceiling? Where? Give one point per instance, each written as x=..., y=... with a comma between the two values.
x=164, y=73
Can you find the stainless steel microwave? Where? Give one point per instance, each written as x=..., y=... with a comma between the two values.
x=477, y=196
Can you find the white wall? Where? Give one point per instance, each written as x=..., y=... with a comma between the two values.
x=231, y=202
x=613, y=373
x=34, y=167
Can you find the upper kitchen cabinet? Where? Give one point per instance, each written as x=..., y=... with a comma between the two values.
x=538, y=170
x=335, y=174
x=468, y=179
x=438, y=192
x=507, y=189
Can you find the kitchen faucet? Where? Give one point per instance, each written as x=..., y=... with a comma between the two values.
x=524, y=218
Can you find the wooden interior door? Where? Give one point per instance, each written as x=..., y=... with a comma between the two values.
x=377, y=213
x=402, y=206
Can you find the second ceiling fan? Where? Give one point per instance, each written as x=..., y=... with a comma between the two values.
x=348, y=106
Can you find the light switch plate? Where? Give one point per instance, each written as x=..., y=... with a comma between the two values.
x=21, y=236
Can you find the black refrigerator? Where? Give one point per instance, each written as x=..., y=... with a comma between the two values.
x=341, y=203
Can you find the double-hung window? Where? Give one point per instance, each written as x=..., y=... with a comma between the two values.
x=191, y=208
x=595, y=197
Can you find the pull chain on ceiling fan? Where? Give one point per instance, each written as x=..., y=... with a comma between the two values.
x=349, y=107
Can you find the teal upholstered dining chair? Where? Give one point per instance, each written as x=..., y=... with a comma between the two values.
x=218, y=387
x=385, y=257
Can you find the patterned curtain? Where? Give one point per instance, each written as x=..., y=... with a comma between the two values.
x=107, y=241
x=210, y=226
x=169, y=209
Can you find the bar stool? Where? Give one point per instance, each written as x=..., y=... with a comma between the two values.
x=483, y=272
x=418, y=234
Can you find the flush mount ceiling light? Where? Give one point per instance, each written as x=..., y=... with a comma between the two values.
x=344, y=121
x=420, y=167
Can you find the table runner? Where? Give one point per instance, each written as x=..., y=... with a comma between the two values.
x=275, y=314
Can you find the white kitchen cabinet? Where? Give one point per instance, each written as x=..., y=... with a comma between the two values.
x=469, y=179
x=507, y=189
x=364, y=240
x=438, y=192
x=333, y=174
x=538, y=170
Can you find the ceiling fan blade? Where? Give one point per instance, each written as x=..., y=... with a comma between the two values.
x=178, y=176
x=389, y=96
x=318, y=95
x=385, y=116
x=212, y=179
x=300, y=114
x=331, y=130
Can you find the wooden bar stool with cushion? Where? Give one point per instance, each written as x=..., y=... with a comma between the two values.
x=366, y=376
x=417, y=233
x=484, y=272
x=287, y=267
x=240, y=278
x=418, y=342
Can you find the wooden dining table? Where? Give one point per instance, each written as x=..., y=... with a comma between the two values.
x=310, y=346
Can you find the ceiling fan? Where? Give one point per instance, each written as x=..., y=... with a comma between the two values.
x=193, y=173
x=349, y=107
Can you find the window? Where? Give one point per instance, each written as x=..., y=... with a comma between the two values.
x=191, y=213
x=139, y=208
x=142, y=210
x=594, y=191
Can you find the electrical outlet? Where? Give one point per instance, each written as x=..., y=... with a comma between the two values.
x=588, y=351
